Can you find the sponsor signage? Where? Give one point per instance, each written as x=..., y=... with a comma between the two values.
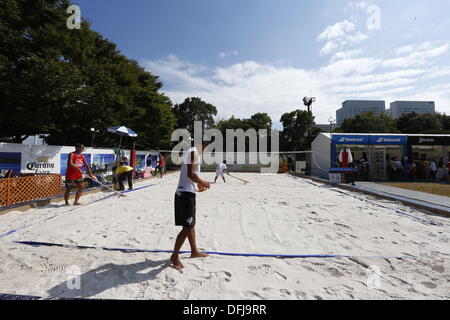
x=370, y=140
x=388, y=140
x=10, y=161
x=41, y=165
x=356, y=140
x=429, y=141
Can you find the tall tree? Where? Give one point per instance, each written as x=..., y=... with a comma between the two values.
x=33, y=76
x=260, y=121
x=194, y=109
x=64, y=82
x=298, y=131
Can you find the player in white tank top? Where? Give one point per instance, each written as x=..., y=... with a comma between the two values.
x=185, y=184
x=185, y=203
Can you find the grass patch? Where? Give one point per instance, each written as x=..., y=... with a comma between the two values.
x=433, y=188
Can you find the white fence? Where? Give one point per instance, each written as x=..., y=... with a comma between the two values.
x=53, y=159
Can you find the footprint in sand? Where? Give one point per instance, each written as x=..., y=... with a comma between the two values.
x=214, y=280
x=429, y=285
x=46, y=268
x=274, y=293
x=267, y=269
x=253, y=295
x=300, y=295
x=335, y=272
x=264, y=268
x=342, y=225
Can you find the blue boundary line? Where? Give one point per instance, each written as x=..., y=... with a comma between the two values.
x=76, y=208
x=7, y=296
x=280, y=256
x=438, y=224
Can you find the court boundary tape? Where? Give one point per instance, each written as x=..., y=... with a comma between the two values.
x=430, y=222
x=12, y=296
x=279, y=256
x=7, y=233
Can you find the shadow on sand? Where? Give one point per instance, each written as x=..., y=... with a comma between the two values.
x=108, y=276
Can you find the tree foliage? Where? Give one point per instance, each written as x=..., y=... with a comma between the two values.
x=194, y=109
x=414, y=123
x=64, y=82
x=258, y=121
x=298, y=131
x=369, y=123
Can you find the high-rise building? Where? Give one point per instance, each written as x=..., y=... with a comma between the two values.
x=399, y=108
x=351, y=108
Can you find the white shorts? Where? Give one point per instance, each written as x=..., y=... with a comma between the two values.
x=219, y=174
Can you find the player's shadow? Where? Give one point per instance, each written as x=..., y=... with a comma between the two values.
x=106, y=277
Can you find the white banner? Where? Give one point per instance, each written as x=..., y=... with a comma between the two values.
x=53, y=159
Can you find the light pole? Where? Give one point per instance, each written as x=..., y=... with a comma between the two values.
x=331, y=121
x=93, y=135
x=308, y=103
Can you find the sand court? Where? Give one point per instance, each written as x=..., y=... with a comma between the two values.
x=273, y=214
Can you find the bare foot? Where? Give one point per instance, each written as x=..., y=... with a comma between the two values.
x=67, y=204
x=77, y=204
x=199, y=255
x=176, y=263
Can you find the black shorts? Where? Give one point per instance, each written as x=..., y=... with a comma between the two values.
x=73, y=183
x=185, y=209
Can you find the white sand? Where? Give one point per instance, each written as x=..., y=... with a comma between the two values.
x=274, y=214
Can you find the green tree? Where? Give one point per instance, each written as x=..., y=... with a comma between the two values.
x=414, y=123
x=445, y=122
x=369, y=123
x=64, y=82
x=232, y=123
x=298, y=131
x=194, y=109
x=260, y=121
x=257, y=121
x=33, y=77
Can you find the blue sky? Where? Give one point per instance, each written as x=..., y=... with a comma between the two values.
x=265, y=55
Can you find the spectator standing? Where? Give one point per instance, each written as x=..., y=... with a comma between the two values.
x=433, y=170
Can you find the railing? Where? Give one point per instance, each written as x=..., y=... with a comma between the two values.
x=23, y=189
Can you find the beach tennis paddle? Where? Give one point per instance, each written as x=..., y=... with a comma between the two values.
x=105, y=187
x=238, y=178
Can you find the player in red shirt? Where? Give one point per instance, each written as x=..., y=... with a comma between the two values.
x=160, y=165
x=74, y=173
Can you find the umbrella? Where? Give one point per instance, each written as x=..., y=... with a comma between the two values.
x=122, y=131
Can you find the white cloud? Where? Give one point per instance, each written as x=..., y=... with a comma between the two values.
x=419, y=56
x=338, y=30
x=228, y=54
x=339, y=36
x=357, y=5
x=344, y=55
x=414, y=47
x=248, y=87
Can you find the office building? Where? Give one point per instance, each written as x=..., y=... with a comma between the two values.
x=399, y=108
x=351, y=108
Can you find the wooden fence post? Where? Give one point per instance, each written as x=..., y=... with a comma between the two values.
x=8, y=200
